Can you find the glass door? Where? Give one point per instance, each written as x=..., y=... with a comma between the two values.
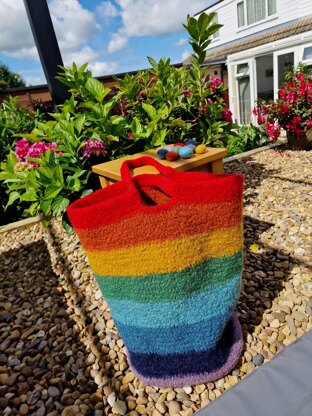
x=243, y=87
x=283, y=63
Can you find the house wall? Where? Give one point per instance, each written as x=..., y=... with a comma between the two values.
x=287, y=10
x=305, y=7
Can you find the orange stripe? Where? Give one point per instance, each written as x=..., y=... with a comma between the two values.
x=181, y=221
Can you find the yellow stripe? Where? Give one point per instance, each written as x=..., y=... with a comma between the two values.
x=166, y=257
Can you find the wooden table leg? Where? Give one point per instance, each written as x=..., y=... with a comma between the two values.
x=217, y=166
x=105, y=181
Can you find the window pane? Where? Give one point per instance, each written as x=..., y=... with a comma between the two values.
x=242, y=69
x=265, y=87
x=255, y=11
x=271, y=7
x=285, y=64
x=240, y=14
x=307, y=53
x=244, y=100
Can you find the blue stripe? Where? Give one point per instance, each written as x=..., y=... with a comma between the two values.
x=155, y=365
x=178, y=339
x=212, y=301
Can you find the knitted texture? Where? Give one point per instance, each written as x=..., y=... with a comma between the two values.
x=166, y=251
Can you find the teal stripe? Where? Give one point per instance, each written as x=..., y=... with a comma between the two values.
x=200, y=336
x=213, y=300
x=171, y=286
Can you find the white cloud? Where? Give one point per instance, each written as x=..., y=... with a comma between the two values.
x=118, y=41
x=35, y=80
x=185, y=55
x=152, y=18
x=73, y=24
x=16, y=38
x=180, y=42
x=107, y=9
x=99, y=68
x=80, y=56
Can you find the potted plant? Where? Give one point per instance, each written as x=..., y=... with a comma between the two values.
x=292, y=111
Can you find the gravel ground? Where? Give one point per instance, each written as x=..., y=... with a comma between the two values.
x=60, y=353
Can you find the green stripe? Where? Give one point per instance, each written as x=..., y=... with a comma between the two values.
x=171, y=286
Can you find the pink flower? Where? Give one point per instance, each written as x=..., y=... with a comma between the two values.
x=227, y=115
x=186, y=92
x=273, y=130
x=215, y=82
x=21, y=149
x=130, y=136
x=309, y=123
x=94, y=147
x=25, y=150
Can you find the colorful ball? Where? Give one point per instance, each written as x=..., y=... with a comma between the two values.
x=193, y=142
x=201, y=148
x=177, y=148
x=169, y=147
x=161, y=153
x=192, y=147
x=179, y=144
x=172, y=155
x=185, y=152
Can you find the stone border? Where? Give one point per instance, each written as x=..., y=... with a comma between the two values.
x=30, y=221
x=27, y=222
x=251, y=152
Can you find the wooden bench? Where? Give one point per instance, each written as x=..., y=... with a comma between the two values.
x=211, y=161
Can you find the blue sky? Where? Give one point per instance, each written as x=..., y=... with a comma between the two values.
x=112, y=35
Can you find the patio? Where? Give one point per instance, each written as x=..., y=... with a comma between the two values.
x=64, y=355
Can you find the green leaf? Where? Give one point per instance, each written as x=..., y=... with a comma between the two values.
x=29, y=195
x=59, y=205
x=96, y=88
x=33, y=208
x=136, y=127
x=11, y=161
x=13, y=196
x=86, y=192
x=45, y=207
x=51, y=191
x=58, y=175
x=150, y=110
x=152, y=62
x=159, y=137
x=117, y=119
x=45, y=175
x=79, y=123
x=73, y=183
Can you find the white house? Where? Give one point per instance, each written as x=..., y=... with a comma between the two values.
x=259, y=42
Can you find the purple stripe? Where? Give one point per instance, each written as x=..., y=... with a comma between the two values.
x=233, y=354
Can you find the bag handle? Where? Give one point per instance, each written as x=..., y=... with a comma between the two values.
x=143, y=161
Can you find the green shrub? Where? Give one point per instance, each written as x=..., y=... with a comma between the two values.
x=249, y=137
x=50, y=166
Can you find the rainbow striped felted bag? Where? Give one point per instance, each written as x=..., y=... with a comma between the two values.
x=166, y=251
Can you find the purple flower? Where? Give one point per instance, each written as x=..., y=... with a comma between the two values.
x=94, y=147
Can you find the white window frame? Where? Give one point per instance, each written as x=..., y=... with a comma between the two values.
x=305, y=61
x=246, y=25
